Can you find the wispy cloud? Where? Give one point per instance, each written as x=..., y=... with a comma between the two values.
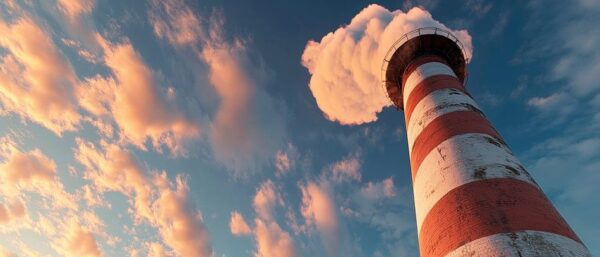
x=238, y=130
x=565, y=164
x=319, y=210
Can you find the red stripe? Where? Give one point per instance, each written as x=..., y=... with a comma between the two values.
x=488, y=207
x=444, y=127
x=426, y=87
x=418, y=62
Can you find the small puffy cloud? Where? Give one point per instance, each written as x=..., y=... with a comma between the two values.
x=238, y=225
x=36, y=80
x=379, y=190
x=11, y=212
x=282, y=163
x=347, y=169
x=32, y=171
x=79, y=242
x=176, y=22
x=139, y=106
x=180, y=224
x=345, y=65
x=265, y=199
x=285, y=160
x=156, y=250
x=75, y=8
x=28, y=167
x=272, y=241
x=318, y=208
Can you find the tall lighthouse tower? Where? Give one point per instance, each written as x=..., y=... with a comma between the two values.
x=472, y=196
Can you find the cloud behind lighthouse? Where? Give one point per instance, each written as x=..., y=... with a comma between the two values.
x=345, y=65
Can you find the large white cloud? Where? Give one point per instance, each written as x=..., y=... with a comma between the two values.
x=345, y=65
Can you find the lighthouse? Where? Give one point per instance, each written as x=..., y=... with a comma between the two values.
x=472, y=196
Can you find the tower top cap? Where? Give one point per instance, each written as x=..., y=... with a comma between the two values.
x=417, y=43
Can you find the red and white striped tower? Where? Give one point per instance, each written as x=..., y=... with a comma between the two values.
x=472, y=196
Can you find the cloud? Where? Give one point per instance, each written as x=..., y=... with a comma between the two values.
x=282, y=163
x=265, y=199
x=11, y=212
x=75, y=8
x=238, y=225
x=36, y=80
x=180, y=224
x=156, y=250
x=140, y=107
x=379, y=190
x=271, y=239
x=549, y=102
x=31, y=171
x=345, y=65
x=155, y=199
x=6, y=253
x=285, y=160
x=318, y=209
x=347, y=169
x=79, y=242
x=565, y=162
x=425, y=4
x=176, y=22
x=246, y=130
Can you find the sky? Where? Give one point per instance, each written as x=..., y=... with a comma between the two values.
x=197, y=128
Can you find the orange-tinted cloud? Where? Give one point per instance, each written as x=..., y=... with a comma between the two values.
x=247, y=129
x=285, y=160
x=154, y=198
x=31, y=171
x=345, y=65
x=347, y=169
x=176, y=22
x=142, y=109
x=238, y=225
x=11, y=212
x=272, y=241
x=318, y=209
x=36, y=81
x=78, y=242
x=75, y=8
x=180, y=225
x=265, y=200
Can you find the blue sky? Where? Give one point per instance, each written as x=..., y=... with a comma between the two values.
x=188, y=128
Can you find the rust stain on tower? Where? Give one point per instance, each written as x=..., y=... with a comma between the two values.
x=472, y=196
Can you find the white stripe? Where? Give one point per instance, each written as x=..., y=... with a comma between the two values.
x=460, y=160
x=434, y=105
x=424, y=71
x=527, y=243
